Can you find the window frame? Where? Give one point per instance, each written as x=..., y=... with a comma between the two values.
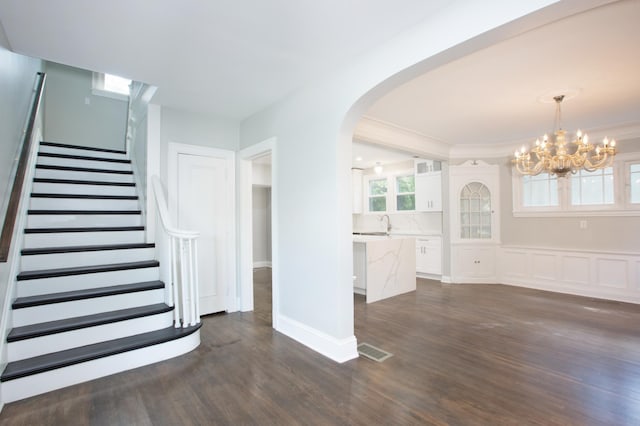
x=621, y=206
x=398, y=193
x=98, y=88
x=391, y=196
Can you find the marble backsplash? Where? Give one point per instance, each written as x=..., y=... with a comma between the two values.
x=410, y=223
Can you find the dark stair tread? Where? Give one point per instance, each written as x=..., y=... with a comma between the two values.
x=42, y=363
x=83, y=169
x=83, y=229
x=86, y=148
x=83, y=157
x=76, y=323
x=80, y=212
x=90, y=293
x=76, y=249
x=82, y=182
x=81, y=270
x=84, y=196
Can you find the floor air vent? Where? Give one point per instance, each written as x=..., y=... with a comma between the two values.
x=373, y=353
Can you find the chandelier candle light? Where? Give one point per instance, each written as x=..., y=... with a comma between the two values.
x=553, y=157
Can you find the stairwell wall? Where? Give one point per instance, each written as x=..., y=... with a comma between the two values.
x=74, y=115
x=17, y=80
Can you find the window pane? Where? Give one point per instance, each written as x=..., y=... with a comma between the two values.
x=113, y=83
x=378, y=187
x=377, y=204
x=405, y=184
x=540, y=190
x=406, y=202
x=592, y=188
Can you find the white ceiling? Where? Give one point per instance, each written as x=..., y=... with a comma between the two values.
x=367, y=155
x=491, y=96
x=230, y=58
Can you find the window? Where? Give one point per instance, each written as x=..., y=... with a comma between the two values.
x=405, y=193
x=634, y=183
x=475, y=211
x=592, y=188
x=612, y=191
x=540, y=190
x=378, y=195
x=110, y=85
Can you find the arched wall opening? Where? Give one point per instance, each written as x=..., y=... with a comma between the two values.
x=315, y=126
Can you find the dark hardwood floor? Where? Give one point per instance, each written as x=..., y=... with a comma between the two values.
x=463, y=355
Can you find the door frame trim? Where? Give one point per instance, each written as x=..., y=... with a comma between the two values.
x=175, y=149
x=245, y=242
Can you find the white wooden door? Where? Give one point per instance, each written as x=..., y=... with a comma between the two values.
x=202, y=194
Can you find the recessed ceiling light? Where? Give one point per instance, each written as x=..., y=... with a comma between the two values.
x=358, y=158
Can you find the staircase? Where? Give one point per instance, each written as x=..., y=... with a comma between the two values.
x=89, y=301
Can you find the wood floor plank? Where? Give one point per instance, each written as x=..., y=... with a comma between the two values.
x=463, y=355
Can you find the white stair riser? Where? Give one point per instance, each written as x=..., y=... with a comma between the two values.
x=64, y=188
x=36, y=384
x=82, y=220
x=86, y=153
x=86, y=336
x=94, y=176
x=81, y=204
x=76, y=308
x=70, y=162
x=39, y=286
x=85, y=258
x=82, y=238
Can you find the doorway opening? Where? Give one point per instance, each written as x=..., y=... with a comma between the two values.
x=261, y=236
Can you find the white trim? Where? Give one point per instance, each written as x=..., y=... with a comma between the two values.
x=174, y=150
x=339, y=350
x=602, y=274
x=262, y=264
x=245, y=230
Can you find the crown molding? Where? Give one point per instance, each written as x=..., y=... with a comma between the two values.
x=387, y=134
x=392, y=136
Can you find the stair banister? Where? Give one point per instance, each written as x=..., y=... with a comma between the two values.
x=183, y=253
x=18, y=182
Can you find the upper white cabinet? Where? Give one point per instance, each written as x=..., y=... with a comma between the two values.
x=356, y=180
x=474, y=192
x=428, y=186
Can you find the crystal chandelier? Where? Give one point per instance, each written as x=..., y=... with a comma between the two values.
x=551, y=155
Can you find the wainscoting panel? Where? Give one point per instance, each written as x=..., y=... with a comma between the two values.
x=606, y=275
x=575, y=270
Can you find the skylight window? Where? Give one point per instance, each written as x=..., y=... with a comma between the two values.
x=111, y=86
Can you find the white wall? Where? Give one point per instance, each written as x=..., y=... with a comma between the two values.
x=261, y=206
x=195, y=129
x=68, y=119
x=314, y=128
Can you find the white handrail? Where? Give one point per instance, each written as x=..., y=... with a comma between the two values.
x=181, y=251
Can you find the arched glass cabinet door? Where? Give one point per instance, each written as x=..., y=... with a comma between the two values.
x=475, y=212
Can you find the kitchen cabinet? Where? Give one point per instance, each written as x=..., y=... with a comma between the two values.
x=475, y=222
x=429, y=255
x=477, y=262
x=429, y=192
x=356, y=181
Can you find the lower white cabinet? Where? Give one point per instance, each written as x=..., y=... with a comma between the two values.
x=473, y=263
x=429, y=255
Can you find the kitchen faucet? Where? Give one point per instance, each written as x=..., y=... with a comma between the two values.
x=388, y=222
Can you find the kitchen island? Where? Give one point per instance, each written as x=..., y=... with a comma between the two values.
x=383, y=266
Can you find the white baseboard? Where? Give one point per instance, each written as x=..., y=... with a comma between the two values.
x=339, y=350
x=360, y=291
x=434, y=277
x=262, y=264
